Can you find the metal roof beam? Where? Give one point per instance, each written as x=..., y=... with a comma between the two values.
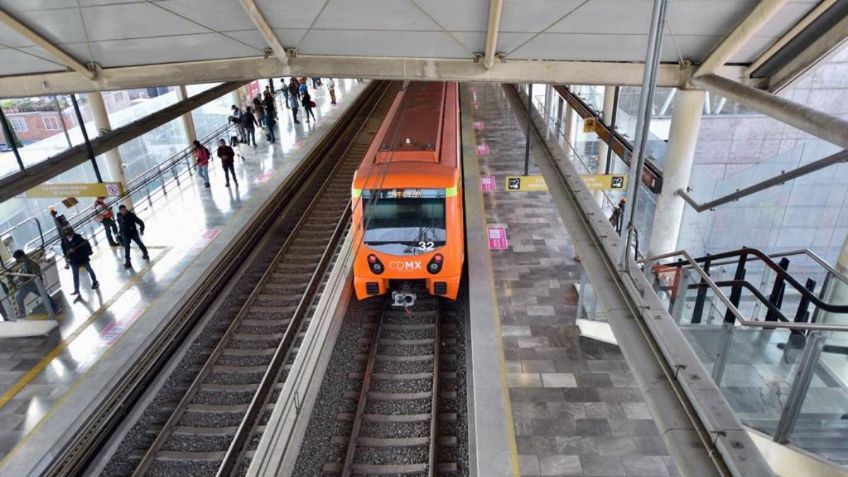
x=248, y=69
x=823, y=46
x=265, y=29
x=822, y=125
x=45, y=44
x=495, y=10
x=747, y=28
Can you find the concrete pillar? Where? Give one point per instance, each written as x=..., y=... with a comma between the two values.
x=113, y=156
x=838, y=294
x=680, y=156
x=603, y=148
x=188, y=121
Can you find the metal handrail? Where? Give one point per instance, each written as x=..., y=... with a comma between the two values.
x=735, y=311
x=743, y=252
x=84, y=216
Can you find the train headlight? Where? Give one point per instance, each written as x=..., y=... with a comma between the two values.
x=375, y=264
x=435, y=264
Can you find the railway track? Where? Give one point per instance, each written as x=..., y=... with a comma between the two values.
x=211, y=426
x=395, y=416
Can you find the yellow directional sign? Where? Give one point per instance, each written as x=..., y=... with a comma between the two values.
x=84, y=189
x=525, y=184
x=589, y=125
x=605, y=182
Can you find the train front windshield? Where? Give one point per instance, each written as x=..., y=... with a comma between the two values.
x=404, y=221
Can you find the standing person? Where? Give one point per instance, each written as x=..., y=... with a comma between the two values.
x=293, y=106
x=269, y=123
x=103, y=214
x=201, y=161
x=129, y=232
x=294, y=89
x=248, y=121
x=617, y=215
x=286, y=92
x=269, y=103
x=237, y=121
x=258, y=111
x=27, y=285
x=302, y=89
x=228, y=157
x=77, y=252
x=306, y=101
x=331, y=88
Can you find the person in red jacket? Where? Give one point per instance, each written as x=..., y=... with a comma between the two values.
x=201, y=161
x=228, y=157
x=103, y=214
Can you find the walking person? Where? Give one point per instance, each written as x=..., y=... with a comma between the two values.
x=228, y=158
x=201, y=161
x=103, y=214
x=130, y=233
x=306, y=100
x=248, y=121
x=27, y=285
x=617, y=215
x=293, y=106
x=331, y=88
x=269, y=103
x=78, y=253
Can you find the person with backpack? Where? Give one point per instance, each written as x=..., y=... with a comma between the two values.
x=202, y=156
x=306, y=100
x=78, y=253
x=26, y=285
x=127, y=222
x=249, y=122
x=103, y=214
x=228, y=158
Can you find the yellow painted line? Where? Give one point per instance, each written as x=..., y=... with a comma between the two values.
x=496, y=322
x=42, y=364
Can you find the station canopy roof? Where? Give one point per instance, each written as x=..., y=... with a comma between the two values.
x=49, y=46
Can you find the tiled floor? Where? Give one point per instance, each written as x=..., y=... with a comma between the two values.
x=35, y=373
x=576, y=407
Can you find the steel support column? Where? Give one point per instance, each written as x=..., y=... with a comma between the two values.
x=10, y=136
x=643, y=121
x=188, y=121
x=86, y=141
x=104, y=126
x=680, y=157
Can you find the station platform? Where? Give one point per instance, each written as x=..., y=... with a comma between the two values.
x=48, y=385
x=570, y=403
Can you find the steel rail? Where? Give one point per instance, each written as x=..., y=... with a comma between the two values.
x=72, y=458
x=236, y=450
x=288, y=336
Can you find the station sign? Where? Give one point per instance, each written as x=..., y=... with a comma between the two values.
x=80, y=189
x=488, y=183
x=526, y=184
x=605, y=181
x=497, y=237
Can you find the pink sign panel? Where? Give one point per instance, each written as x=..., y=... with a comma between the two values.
x=497, y=237
x=479, y=125
x=483, y=149
x=210, y=234
x=488, y=184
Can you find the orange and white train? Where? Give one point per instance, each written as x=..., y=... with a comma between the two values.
x=407, y=198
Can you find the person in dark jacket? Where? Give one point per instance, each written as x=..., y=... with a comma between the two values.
x=294, y=88
x=77, y=251
x=127, y=222
x=228, y=158
x=249, y=122
x=306, y=101
x=29, y=284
